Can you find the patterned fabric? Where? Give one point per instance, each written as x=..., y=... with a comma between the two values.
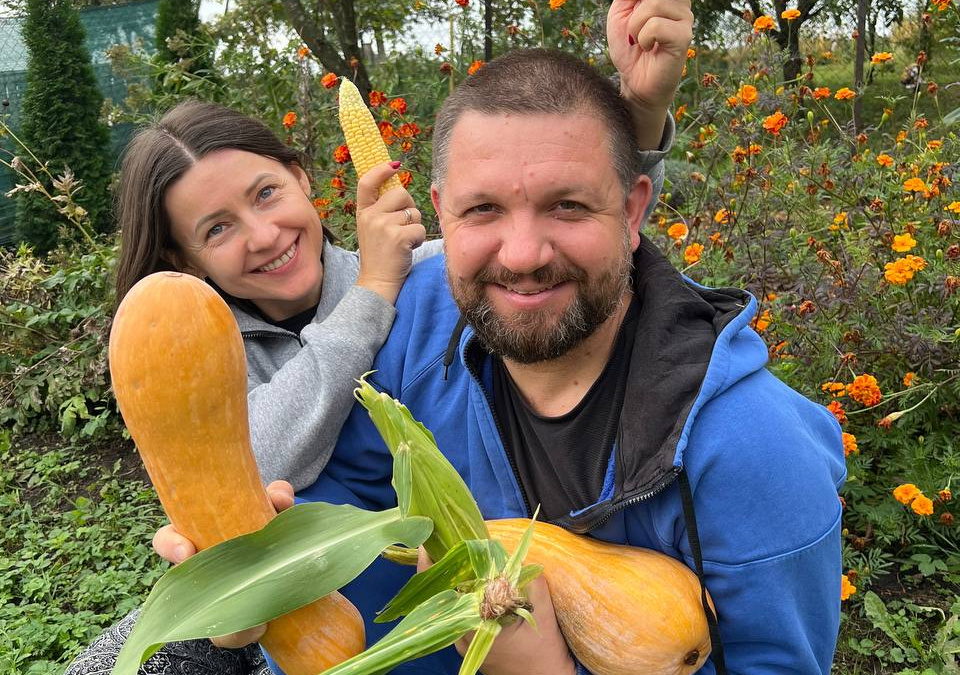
x=193, y=657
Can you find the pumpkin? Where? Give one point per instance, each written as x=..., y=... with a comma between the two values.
x=623, y=610
x=179, y=374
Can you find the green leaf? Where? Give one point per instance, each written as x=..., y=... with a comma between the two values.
x=514, y=564
x=451, y=571
x=402, y=477
x=876, y=611
x=433, y=625
x=487, y=556
x=303, y=554
x=527, y=574
x=479, y=647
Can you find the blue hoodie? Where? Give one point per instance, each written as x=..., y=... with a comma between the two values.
x=763, y=463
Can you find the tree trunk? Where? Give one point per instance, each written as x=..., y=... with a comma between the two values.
x=488, y=30
x=862, y=6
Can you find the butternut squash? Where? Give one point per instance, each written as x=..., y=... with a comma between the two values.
x=179, y=375
x=623, y=610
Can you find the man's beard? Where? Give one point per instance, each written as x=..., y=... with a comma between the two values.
x=533, y=336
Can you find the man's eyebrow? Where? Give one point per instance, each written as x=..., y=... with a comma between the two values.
x=220, y=213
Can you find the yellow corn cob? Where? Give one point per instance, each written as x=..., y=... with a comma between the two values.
x=366, y=145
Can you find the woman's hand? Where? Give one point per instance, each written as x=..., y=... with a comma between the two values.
x=388, y=229
x=175, y=548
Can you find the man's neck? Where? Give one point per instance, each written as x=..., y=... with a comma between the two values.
x=555, y=387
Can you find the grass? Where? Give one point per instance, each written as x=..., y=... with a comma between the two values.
x=75, y=556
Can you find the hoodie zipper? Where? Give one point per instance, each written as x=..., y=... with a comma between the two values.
x=608, y=513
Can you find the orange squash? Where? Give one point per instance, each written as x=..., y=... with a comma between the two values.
x=623, y=610
x=179, y=375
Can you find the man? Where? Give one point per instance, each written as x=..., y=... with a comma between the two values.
x=571, y=366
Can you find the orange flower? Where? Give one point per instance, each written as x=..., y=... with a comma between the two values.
x=763, y=23
x=835, y=389
x=329, y=80
x=945, y=495
x=463, y=3
x=474, y=67
x=405, y=178
x=901, y=136
x=903, y=242
x=775, y=122
x=289, y=120
x=941, y=5
x=790, y=14
x=557, y=4
x=677, y=232
x=839, y=221
x=954, y=207
x=864, y=389
x=341, y=155
x=838, y=411
x=692, y=253
x=408, y=130
x=303, y=52
x=909, y=378
x=846, y=588
x=398, y=105
x=755, y=149
x=850, y=445
x=439, y=49
x=680, y=112
x=821, y=92
x=738, y=155
x=723, y=216
x=922, y=505
x=906, y=493
x=733, y=101
x=337, y=183
x=321, y=205
x=881, y=57
x=691, y=52
x=934, y=145
x=761, y=322
x=387, y=132
x=377, y=98
x=844, y=94
x=747, y=94
x=915, y=185
x=884, y=160
x=901, y=270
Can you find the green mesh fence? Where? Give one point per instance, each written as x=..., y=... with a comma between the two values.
x=105, y=27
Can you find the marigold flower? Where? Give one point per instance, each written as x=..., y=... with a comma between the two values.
x=739, y=155
x=903, y=242
x=677, y=232
x=398, y=105
x=844, y=94
x=755, y=149
x=463, y=3
x=387, y=132
x=790, y=14
x=954, y=207
x=733, y=101
x=747, y=94
x=934, y=145
x=439, y=49
x=846, y=588
x=289, y=120
x=723, y=216
x=837, y=410
x=341, y=155
x=406, y=146
x=775, y=123
x=303, y=52
x=835, y=389
x=850, y=445
x=680, y=112
x=881, y=57
x=763, y=23
x=408, y=130
x=474, y=67
x=884, y=160
x=900, y=271
x=922, y=505
x=909, y=378
x=329, y=81
x=761, y=322
x=557, y=4
x=946, y=518
x=864, y=389
x=839, y=221
x=691, y=52
x=692, y=253
x=321, y=204
x=915, y=185
x=906, y=493
x=405, y=178
x=337, y=183
x=941, y=5
x=377, y=98
x=945, y=495
x=821, y=92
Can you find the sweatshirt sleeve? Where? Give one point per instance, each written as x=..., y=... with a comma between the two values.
x=296, y=415
x=651, y=163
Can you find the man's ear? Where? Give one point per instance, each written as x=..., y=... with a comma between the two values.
x=435, y=198
x=636, y=207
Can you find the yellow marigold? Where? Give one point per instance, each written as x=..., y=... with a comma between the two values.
x=692, y=253
x=821, y=92
x=775, y=122
x=954, y=206
x=557, y=4
x=722, y=216
x=881, y=57
x=909, y=378
x=761, y=322
x=934, y=145
x=864, y=389
x=839, y=220
x=884, y=159
x=835, y=389
x=790, y=14
x=844, y=94
x=747, y=94
x=903, y=242
x=677, y=231
x=915, y=185
x=922, y=505
x=846, y=588
x=906, y=493
x=850, y=445
x=763, y=23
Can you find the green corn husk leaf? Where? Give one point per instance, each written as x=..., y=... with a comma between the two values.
x=301, y=555
x=436, y=623
x=528, y=573
x=512, y=569
x=450, y=572
x=438, y=492
x=401, y=555
x=479, y=647
x=403, y=478
x=487, y=556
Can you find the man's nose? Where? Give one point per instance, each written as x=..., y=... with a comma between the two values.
x=526, y=245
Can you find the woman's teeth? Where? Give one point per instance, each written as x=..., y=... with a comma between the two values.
x=282, y=260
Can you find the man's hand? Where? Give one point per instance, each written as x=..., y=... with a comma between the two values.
x=648, y=41
x=175, y=548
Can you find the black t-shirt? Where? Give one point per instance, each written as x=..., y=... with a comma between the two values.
x=561, y=462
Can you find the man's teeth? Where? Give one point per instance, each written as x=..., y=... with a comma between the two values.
x=534, y=292
x=285, y=258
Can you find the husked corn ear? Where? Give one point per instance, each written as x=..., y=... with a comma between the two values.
x=366, y=145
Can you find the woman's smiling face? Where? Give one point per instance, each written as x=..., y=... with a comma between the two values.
x=246, y=221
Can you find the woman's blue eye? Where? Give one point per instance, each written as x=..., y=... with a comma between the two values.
x=215, y=230
x=265, y=193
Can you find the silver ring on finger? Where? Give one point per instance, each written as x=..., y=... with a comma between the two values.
x=409, y=216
